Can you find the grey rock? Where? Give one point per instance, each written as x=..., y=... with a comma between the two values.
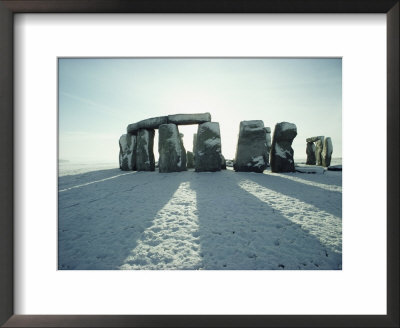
x=184, y=119
x=183, y=152
x=251, y=150
x=170, y=149
x=144, y=150
x=194, y=146
x=189, y=160
x=282, y=151
x=223, y=162
x=335, y=168
x=268, y=141
x=314, y=139
x=208, y=148
x=310, y=151
x=326, y=154
x=319, y=145
x=127, y=152
x=150, y=123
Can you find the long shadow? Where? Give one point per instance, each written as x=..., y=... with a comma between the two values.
x=68, y=181
x=237, y=231
x=326, y=200
x=100, y=223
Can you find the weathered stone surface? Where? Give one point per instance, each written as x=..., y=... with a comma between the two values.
x=319, y=145
x=189, y=160
x=251, y=150
x=268, y=141
x=310, y=151
x=127, y=152
x=184, y=119
x=223, y=162
x=194, y=146
x=183, y=152
x=326, y=155
x=208, y=148
x=144, y=150
x=150, y=123
x=170, y=149
x=313, y=139
x=282, y=151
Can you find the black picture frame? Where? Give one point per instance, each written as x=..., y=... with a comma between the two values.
x=10, y=7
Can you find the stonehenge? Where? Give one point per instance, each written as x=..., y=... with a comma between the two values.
x=281, y=150
x=208, y=148
x=251, y=150
x=254, y=149
x=319, y=151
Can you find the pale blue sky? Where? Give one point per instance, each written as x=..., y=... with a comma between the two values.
x=98, y=98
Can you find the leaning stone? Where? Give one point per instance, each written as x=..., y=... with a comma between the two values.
x=310, y=151
x=144, y=150
x=170, y=149
x=251, y=150
x=208, y=148
x=319, y=145
x=150, y=123
x=282, y=151
x=184, y=119
x=127, y=152
x=189, y=160
x=314, y=139
x=326, y=154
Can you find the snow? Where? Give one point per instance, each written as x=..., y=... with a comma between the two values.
x=199, y=221
x=309, y=169
x=257, y=161
x=281, y=152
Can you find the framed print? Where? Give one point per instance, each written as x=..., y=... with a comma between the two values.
x=57, y=53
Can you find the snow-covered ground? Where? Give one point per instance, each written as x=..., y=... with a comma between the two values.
x=111, y=219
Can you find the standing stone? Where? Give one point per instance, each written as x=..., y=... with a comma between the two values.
x=144, y=150
x=127, y=152
x=189, y=160
x=183, y=152
x=282, y=151
x=194, y=146
x=319, y=145
x=170, y=149
x=310, y=151
x=268, y=141
x=251, y=150
x=326, y=154
x=223, y=162
x=208, y=148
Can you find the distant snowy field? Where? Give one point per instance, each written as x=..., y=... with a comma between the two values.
x=111, y=219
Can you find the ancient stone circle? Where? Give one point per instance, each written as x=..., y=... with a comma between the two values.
x=254, y=151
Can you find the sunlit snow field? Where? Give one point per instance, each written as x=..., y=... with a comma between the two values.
x=111, y=219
